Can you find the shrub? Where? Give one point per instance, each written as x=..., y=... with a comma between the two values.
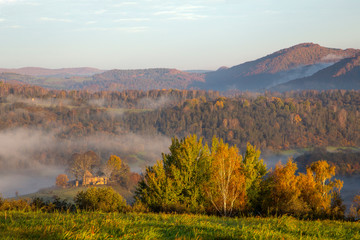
x=19, y=205
x=100, y=199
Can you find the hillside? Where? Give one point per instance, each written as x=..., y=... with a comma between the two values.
x=142, y=79
x=287, y=64
x=342, y=75
x=36, y=71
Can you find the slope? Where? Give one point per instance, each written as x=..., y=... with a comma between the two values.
x=342, y=75
x=287, y=64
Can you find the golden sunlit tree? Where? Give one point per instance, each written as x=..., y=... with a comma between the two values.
x=62, y=180
x=226, y=186
x=113, y=166
x=283, y=191
x=317, y=188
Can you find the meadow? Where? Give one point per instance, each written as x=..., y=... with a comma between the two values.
x=97, y=225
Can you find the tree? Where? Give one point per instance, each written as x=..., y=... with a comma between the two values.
x=355, y=208
x=226, y=186
x=62, y=180
x=254, y=170
x=317, y=188
x=112, y=167
x=283, y=190
x=155, y=189
x=187, y=165
x=176, y=183
x=82, y=162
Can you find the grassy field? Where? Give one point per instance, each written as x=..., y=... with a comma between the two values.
x=69, y=193
x=37, y=225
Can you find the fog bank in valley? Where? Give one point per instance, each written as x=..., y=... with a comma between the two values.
x=31, y=159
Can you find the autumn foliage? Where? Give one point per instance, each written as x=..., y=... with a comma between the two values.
x=219, y=180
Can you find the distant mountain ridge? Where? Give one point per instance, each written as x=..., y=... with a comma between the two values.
x=281, y=66
x=309, y=63
x=342, y=75
x=39, y=72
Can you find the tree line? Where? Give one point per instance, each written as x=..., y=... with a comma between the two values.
x=217, y=179
x=330, y=118
x=197, y=178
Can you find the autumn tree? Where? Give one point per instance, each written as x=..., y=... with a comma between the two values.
x=62, y=180
x=317, y=188
x=355, y=208
x=226, y=186
x=82, y=162
x=112, y=167
x=283, y=192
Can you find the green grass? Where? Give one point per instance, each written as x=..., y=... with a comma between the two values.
x=37, y=225
x=69, y=193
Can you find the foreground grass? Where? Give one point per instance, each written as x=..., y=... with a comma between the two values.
x=38, y=225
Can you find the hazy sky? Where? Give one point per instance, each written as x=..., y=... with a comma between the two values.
x=197, y=34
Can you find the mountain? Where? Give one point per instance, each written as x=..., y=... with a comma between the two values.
x=141, y=79
x=287, y=64
x=342, y=75
x=297, y=62
x=45, y=72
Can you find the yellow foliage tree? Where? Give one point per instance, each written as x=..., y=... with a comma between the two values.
x=226, y=187
x=284, y=193
x=62, y=180
x=112, y=166
x=317, y=188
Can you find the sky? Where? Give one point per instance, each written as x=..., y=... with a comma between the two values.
x=182, y=34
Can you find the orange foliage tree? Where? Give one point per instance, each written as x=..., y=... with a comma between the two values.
x=226, y=188
x=62, y=180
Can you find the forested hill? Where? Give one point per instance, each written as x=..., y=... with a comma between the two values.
x=291, y=63
x=342, y=75
x=141, y=79
x=274, y=122
x=305, y=119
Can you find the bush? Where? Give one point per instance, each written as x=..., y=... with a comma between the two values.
x=19, y=205
x=100, y=199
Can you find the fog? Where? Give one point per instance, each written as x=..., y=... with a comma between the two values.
x=332, y=58
x=31, y=159
x=44, y=102
x=18, y=144
x=148, y=103
x=301, y=72
x=25, y=181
